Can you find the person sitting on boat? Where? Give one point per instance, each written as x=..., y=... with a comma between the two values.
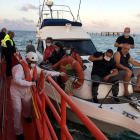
x=48, y=51
x=57, y=54
x=125, y=38
x=123, y=58
x=103, y=64
x=24, y=76
x=69, y=53
x=8, y=50
x=30, y=47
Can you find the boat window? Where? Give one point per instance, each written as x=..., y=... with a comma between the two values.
x=40, y=47
x=82, y=47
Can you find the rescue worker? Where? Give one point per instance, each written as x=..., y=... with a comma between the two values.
x=24, y=76
x=8, y=50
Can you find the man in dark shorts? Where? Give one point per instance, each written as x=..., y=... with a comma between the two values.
x=123, y=58
x=126, y=38
x=103, y=64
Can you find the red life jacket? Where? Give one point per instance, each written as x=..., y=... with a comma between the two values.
x=27, y=71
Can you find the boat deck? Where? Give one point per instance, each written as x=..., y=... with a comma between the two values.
x=111, y=101
x=29, y=129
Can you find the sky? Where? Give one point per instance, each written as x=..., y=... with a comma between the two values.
x=95, y=15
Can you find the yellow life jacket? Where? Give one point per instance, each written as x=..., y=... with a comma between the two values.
x=6, y=38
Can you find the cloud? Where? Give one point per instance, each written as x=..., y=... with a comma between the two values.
x=99, y=24
x=27, y=20
x=22, y=24
x=26, y=7
x=96, y=24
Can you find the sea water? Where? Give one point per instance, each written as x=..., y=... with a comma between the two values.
x=102, y=43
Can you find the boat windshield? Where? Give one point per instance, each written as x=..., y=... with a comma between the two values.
x=82, y=47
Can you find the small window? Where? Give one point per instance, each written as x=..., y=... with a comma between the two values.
x=40, y=47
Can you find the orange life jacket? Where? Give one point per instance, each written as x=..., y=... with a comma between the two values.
x=27, y=71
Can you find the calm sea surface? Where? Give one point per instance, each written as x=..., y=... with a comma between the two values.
x=102, y=43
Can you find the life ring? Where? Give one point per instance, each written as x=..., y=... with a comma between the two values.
x=75, y=64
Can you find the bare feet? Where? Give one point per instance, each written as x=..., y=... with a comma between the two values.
x=136, y=89
x=127, y=94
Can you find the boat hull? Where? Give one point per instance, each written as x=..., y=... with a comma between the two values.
x=109, y=119
x=103, y=126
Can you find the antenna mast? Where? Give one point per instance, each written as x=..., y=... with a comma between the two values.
x=78, y=11
x=62, y=9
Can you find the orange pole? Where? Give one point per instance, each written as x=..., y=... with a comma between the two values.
x=33, y=89
x=50, y=126
x=88, y=123
x=43, y=110
x=55, y=113
x=63, y=117
x=64, y=129
x=5, y=110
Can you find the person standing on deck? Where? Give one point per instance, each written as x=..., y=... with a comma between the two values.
x=125, y=38
x=24, y=76
x=8, y=50
x=103, y=64
x=30, y=47
x=2, y=34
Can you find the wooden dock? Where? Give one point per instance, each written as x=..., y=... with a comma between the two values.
x=111, y=33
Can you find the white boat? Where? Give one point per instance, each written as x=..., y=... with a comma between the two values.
x=109, y=117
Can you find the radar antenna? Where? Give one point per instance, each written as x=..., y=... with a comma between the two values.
x=78, y=12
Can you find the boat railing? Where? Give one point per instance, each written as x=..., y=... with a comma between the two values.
x=112, y=84
x=106, y=83
x=65, y=99
x=56, y=10
x=3, y=103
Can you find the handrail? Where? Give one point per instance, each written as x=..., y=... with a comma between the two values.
x=112, y=84
x=39, y=21
x=19, y=55
x=4, y=112
x=112, y=88
x=62, y=121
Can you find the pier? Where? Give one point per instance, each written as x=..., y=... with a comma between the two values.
x=111, y=33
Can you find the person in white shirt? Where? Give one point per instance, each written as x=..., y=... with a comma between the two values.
x=24, y=76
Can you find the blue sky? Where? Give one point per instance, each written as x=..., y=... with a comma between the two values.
x=96, y=15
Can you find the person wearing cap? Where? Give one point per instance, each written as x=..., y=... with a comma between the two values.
x=48, y=51
x=69, y=53
x=24, y=76
x=30, y=47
